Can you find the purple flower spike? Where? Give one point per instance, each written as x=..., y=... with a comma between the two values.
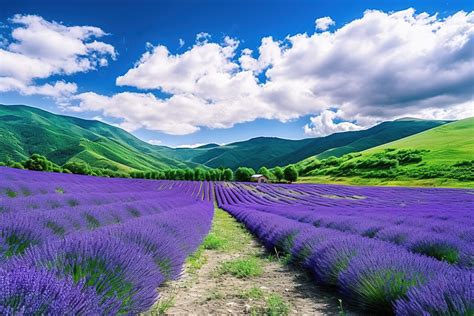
x=448, y=294
x=26, y=291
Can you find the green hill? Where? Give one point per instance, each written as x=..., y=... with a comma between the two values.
x=446, y=144
x=440, y=156
x=25, y=130
x=271, y=151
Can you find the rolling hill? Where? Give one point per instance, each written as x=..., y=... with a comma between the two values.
x=25, y=130
x=446, y=144
x=271, y=152
x=442, y=156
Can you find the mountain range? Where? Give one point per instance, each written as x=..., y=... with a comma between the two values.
x=25, y=130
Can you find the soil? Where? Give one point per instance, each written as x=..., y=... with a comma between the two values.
x=205, y=291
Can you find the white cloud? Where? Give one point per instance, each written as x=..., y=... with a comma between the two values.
x=40, y=49
x=203, y=37
x=381, y=66
x=324, y=124
x=324, y=23
x=155, y=142
x=191, y=145
x=181, y=42
x=269, y=53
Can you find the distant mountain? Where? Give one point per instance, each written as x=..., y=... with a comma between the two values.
x=25, y=130
x=208, y=146
x=271, y=151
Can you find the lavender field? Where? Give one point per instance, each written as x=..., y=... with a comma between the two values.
x=404, y=250
x=74, y=244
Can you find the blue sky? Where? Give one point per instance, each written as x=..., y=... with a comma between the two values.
x=132, y=24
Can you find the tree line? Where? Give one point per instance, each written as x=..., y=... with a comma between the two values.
x=41, y=163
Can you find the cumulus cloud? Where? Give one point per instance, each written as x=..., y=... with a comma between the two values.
x=155, y=142
x=191, y=145
x=203, y=37
x=269, y=53
x=323, y=23
x=324, y=124
x=39, y=49
x=381, y=66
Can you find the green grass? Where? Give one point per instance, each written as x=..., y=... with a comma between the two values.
x=254, y=293
x=163, y=306
x=274, y=305
x=196, y=260
x=226, y=233
x=213, y=242
x=242, y=268
x=10, y=193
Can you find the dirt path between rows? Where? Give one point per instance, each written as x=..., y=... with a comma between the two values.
x=254, y=282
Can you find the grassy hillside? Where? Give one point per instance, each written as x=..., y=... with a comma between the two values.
x=446, y=144
x=440, y=156
x=271, y=151
x=26, y=130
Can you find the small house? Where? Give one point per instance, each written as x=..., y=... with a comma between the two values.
x=259, y=178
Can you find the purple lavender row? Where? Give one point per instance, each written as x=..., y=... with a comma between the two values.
x=115, y=268
x=374, y=275
x=58, y=200
x=439, y=239
x=120, y=267
x=24, y=183
x=443, y=235
x=391, y=197
x=377, y=275
x=35, y=227
x=418, y=217
x=127, y=278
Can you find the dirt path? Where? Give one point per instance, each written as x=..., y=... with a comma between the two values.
x=233, y=274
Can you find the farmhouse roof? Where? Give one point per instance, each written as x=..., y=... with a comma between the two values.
x=258, y=176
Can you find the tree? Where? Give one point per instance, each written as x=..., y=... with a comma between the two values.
x=278, y=173
x=290, y=173
x=137, y=174
x=16, y=165
x=243, y=174
x=199, y=174
x=39, y=163
x=78, y=167
x=228, y=174
x=265, y=172
x=189, y=175
x=219, y=174
x=180, y=174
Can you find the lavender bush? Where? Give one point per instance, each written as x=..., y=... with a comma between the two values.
x=73, y=244
x=388, y=250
